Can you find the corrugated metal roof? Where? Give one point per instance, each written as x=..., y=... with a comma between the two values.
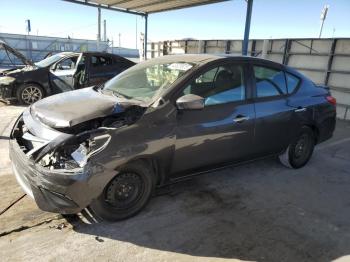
x=146, y=6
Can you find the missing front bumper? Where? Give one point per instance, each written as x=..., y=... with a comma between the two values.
x=6, y=93
x=52, y=191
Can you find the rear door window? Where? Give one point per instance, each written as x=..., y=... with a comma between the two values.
x=269, y=82
x=101, y=61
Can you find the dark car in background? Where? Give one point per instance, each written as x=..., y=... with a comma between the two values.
x=108, y=147
x=59, y=73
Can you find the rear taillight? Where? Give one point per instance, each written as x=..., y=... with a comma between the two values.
x=331, y=100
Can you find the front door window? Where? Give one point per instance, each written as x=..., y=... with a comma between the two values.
x=223, y=84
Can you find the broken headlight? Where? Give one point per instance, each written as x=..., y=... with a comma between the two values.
x=95, y=145
x=6, y=80
x=73, y=154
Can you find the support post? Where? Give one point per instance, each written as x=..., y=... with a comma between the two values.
x=253, y=50
x=247, y=27
x=145, y=38
x=200, y=42
x=264, y=48
x=330, y=62
x=98, y=28
x=228, y=47
x=165, y=48
x=104, y=31
x=285, y=58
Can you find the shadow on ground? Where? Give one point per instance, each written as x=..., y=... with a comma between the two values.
x=261, y=211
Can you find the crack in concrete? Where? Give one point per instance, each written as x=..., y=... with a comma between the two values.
x=12, y=204
x=22, y=228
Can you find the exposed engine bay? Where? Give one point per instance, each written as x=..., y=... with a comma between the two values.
x=69, y=148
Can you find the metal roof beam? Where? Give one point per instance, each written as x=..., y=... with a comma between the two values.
x=205, y=2
x=247, y=27
x=152, y=4
x=119, y=2
x=109, y=7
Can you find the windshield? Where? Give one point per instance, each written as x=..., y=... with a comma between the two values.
x=146, y=80
x=49, y=60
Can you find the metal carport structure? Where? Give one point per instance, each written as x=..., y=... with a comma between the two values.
x=145, y=7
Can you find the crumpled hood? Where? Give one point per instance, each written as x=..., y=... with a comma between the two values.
x=15, y=71
x=74, y=107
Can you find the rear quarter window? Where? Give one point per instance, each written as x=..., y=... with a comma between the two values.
x=269, y=81
x=292, y=82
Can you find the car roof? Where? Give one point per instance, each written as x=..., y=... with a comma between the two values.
x=98, y=53
x=67, y=53
x=206, y=58
x=187, y=58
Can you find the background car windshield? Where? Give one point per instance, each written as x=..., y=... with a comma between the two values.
x=49, y=60
x=145, y=82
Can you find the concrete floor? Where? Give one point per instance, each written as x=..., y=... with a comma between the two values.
x=260, y=211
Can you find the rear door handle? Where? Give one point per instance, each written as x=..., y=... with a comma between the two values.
x=300, y=109
x=240, y=119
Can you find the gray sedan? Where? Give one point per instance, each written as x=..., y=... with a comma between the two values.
x=108, y=147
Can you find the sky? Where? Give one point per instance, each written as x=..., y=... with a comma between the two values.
x=270, y=19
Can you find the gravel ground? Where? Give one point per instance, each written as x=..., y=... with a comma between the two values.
x=259, y=211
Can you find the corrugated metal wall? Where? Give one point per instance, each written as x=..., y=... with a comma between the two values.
x=325, y=61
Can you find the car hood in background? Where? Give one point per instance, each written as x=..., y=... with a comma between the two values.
x=21, y=57
x=71, y=108
x=14, y=72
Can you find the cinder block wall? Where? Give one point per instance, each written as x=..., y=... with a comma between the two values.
x=325, y=61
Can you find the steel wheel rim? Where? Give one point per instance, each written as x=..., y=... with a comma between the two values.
x=124, y=191
x=302, y=147
x=31, y=94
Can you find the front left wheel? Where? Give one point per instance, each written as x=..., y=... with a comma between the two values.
x=127, y=193
x=29, y=93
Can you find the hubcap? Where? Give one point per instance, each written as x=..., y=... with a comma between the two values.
x=302, y=146
x=124, y=191
x=31, y=94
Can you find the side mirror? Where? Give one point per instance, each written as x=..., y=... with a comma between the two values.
x=190, y=102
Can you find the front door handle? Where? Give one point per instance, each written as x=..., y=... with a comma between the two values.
x=300, y=109
x=240, y=119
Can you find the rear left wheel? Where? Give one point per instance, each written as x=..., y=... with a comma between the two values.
x=127, y=193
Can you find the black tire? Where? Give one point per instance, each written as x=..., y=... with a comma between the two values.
x=126, y=194
x=28, y=94
x=300, y=150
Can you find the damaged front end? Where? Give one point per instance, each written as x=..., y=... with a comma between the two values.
x=55, y=166
x=6, y=87
x=7, y=81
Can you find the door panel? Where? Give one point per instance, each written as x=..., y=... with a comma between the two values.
x=276, y=120
x=101, y=69
x=275, y=124
x=211, y=136
x=223, y=130
x=62, y=74
x=62, y=80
